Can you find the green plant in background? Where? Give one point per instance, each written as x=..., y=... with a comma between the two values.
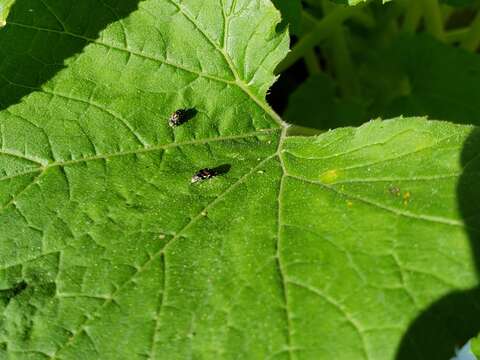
x=401, y=58
x=153, y=205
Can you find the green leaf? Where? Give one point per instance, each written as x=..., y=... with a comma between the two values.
x=355, y=2
x=444, y=82
x=291, y=13
x=324, y=247
x=314, y=104
x=458, y=3
x=5, y=6
x=475, y=346
x=449, y=2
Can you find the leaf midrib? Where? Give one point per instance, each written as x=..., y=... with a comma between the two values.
x=48, y=165
x=43, y=169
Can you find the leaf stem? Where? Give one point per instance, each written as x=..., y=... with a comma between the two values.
x=456, y=35
x=308, y=23
x=343, y=64
x=471, y=41
x=412, y=17
x=322, y=30
x=447, y=12
x=311, y=62
x=364, y=18
x=298, y=130
x=342, y=59
x=433, y=18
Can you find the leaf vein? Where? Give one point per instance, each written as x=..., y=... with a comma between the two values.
x=396, y=211
x=114, y=115
x=341, y=309
x=18, y=194
x=237, y=81
x=161, y=252
x=161, y=301
x=130, y=51
x=278, y=251
x=190, y=18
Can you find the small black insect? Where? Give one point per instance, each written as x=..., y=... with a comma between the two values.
x=177, y=118
x=209, y=173
x=204, y=174
x=181, y=116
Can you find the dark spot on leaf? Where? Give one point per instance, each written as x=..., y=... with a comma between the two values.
x=19, y=288
x=222, y=169
x=395, y=191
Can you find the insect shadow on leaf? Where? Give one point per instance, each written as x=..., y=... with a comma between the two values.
x=208, y=173
x=181, y=116
x=451, y=321
x=8, y=294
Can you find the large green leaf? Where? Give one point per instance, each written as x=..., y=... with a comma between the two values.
x=291, y=11
x=443, y=81
x=449, y=2
x=476, y=346
x=318, y=93
x=354, y=2
x=320, y=248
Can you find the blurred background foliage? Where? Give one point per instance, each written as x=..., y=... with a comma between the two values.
x=350, y=64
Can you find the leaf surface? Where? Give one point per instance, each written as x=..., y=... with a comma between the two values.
x=444, y=82
x=324, y=247
x=5, y=6
x=314, y=104
x=291, y=14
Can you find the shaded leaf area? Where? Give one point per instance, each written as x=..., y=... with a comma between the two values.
x=449, y=2
x=444, y=81
x=316, y=102
x=291, y=11
x=458, y=3
x=107, y=249
x=316, y=105
x=42, y=35
x=452, y=320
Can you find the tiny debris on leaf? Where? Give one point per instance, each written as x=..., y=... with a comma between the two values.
x=395, y=191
